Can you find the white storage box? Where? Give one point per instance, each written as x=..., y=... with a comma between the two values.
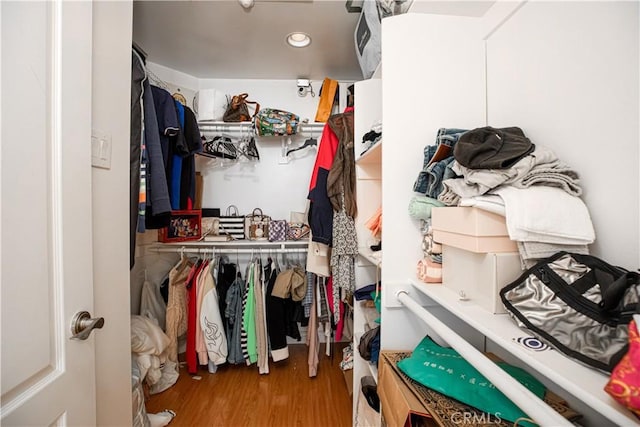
x=471, y=229
x=210, y=104
x=479, y=277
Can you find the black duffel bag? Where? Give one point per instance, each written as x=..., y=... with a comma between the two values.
x=578, y=304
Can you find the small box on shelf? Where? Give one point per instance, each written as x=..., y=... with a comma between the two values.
x=184, y=225
x=479, y=277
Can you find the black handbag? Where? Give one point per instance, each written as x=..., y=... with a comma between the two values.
x=578, y=304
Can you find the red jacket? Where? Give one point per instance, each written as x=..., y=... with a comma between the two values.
x=320, y=209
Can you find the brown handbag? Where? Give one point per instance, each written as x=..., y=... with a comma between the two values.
x=237, y=110
x=257, y=225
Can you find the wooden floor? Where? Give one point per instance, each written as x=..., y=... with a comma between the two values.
x=240, y=396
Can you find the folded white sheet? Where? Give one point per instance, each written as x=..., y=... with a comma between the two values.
x=546, y=214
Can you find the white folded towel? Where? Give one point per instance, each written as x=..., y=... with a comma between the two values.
x=546, y=214
x=488, y=202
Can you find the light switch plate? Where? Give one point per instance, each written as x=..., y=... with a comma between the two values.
x=101, y=150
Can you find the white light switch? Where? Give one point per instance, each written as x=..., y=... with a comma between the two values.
x=101, y=150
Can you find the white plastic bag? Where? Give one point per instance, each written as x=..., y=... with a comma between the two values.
x=368, y=38
x=152, y=305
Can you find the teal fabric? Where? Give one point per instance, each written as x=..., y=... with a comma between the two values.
x=445, y=371
x=377, y=303
x=420, y=207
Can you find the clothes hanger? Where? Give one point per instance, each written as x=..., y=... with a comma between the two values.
x=157, y=81
x=311, y=142
x=178, y=96
x=277, y=266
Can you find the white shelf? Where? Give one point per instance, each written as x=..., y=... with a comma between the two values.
x=372, y=257
x=372, y=156
x=240, y=243
x=238, y=247
x=584, y=383
x=217, y=126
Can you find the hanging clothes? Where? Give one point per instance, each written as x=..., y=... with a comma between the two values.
x=343, y=254
x=341, y=181
x=312, y=337
x=191, y=355
x=226, y=275
x=138, y=74
x=168, y=123
x=336, y=138
x=276, y=316
x=249, y=319
x=176, y=161
x=158, y=207
x=193, y=143
x=211, y=321
x=262, y=343
x=201, y=348
x=233, y=313
x=176, y=319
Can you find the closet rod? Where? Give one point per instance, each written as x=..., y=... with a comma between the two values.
x=538, y=410
x=311, y=128
x=255, y=251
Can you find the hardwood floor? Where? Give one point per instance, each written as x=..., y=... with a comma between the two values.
x=238, y=396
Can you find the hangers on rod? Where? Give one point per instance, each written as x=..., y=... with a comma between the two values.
x=157, y=80
x=310, y=142
x=140, y=52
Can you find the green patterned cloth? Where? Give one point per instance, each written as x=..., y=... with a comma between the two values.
x=444, y=370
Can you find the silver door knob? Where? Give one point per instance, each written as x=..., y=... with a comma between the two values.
x=82, y=324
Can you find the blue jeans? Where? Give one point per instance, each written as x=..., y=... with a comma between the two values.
x=429, y=181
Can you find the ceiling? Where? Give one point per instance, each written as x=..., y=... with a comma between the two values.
x=219, y=39
x=222, y=40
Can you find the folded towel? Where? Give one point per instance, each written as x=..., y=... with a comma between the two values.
x=532, y=252
x=489, y=202
x=546, y=214
x=420, y=207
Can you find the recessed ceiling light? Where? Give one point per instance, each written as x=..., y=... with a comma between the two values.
x=298, y=39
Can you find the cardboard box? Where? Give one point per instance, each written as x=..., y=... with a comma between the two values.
x=468, y=220
x=470, y=228
x=479, y=277
x=399, y=406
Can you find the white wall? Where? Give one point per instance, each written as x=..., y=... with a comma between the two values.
x=565, y=72
x=110, y=206
x=575, y=89
x=434, y=89
x=274, y=186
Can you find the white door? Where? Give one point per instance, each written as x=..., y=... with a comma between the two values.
x=45, y=164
